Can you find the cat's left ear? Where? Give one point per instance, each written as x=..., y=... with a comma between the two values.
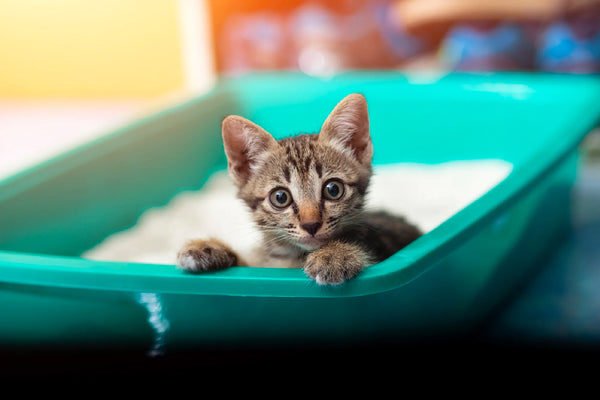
x=347, y=128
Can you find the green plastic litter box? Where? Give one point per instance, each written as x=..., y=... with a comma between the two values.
x=445, y=283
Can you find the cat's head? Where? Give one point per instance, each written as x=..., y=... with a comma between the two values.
x=303, y=190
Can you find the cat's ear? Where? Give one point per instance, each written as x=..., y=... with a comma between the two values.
x=347, y=128
x=246, y=144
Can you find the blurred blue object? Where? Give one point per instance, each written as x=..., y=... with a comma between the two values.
x=562, y=49
x=400, y=42
x=504, y=46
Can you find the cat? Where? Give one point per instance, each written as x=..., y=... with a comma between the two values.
x=306, y=195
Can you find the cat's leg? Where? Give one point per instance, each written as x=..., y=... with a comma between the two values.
x=207, y=255
x=336, y=262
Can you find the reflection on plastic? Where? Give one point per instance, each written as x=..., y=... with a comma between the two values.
x=156, y=319
x=512, y=90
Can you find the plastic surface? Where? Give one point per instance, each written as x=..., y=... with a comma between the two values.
x=446, y=281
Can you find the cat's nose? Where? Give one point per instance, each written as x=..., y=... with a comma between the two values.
x=311, y=227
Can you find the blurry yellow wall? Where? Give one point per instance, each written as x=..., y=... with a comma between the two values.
x=89, y=48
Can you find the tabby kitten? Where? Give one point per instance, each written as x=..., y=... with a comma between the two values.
x=306, y=195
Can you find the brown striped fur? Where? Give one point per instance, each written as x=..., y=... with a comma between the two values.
x=332, y=239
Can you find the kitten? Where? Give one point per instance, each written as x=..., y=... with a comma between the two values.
x=306, y=195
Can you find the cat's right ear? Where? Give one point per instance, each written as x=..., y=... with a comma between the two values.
x=246, y=145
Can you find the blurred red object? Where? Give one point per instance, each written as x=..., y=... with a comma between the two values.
x=318, y=38
x=254, y=41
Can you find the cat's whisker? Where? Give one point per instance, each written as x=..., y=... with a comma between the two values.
x=277, y=232
x=274, y=240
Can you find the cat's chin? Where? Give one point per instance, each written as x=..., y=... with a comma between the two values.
x=311, y=243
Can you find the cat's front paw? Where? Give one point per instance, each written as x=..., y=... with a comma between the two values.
x=205, y=255
x=335, y=263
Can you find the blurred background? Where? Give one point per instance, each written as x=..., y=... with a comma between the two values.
x=71, y=71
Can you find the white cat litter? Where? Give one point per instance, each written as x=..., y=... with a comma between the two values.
x=426, y=194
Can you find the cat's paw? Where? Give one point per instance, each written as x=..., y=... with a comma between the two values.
x=335, y=263
x=205, y=255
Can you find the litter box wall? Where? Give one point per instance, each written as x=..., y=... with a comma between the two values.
x=445, y=282
x=72, y=202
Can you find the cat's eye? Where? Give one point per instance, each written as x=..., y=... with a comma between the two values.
x=333, y=190
x=280, y=198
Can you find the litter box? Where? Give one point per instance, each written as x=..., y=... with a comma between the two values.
x=446, y=283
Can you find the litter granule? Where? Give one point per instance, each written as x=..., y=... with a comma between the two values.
x=425, y=194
